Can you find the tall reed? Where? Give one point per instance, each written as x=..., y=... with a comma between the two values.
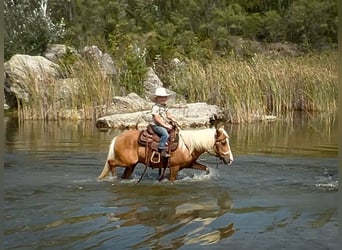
x=84, y=95
x=245, y=89
x=261, y=85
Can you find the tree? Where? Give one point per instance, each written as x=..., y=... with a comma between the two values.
x=28, y=27
x=312, y=23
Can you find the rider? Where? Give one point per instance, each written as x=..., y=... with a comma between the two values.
x=161, y=118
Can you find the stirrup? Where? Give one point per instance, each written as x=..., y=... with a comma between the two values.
x=155, y=157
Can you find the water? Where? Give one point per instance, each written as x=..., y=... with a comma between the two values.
x=280, y=193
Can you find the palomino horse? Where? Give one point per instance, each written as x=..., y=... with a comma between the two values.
x=124, y=151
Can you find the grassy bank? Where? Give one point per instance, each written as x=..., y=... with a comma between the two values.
x=244, y=88
x=85, y=94
x=261, y=85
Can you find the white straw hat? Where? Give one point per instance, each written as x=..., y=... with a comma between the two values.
x=160, y=91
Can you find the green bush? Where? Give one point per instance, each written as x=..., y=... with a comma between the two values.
x=28, y=28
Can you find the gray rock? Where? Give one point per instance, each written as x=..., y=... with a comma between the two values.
x=104, y=61
x=188, y=115
x=55, y=52
x=25, y=73
x=151, y=82
x=64, y=91
x=130, y=103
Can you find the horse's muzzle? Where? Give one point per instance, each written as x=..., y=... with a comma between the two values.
x=227, y=158
x=226, y=161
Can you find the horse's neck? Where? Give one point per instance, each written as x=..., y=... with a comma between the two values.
x=198, y=141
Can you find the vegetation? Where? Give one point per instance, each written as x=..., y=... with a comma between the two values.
x=201, y=33
x=194, y=29
x=247, y=89
x=29, y=27
x=85, y=99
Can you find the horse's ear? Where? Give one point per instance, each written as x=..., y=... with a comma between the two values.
x=216, y=122
x=219, y=125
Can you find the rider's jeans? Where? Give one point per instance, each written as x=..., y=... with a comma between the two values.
x=164, y=135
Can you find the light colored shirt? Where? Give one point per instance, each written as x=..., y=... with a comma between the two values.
x=160, y=110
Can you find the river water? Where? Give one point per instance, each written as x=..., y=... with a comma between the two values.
x=280, y=192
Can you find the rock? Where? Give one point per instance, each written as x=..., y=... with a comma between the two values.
x=247, y=48
x=5, y=104
x=175, y=62
x=55, y=52
x=104, y=61
x=36, y=77
x=152, y=82
x=188, y=115
x=260, y=117
x=130, y=103
x=65, y=89
x=24, y=72
x=198, y=114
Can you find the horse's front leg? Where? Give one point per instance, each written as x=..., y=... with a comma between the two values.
x=199, y=166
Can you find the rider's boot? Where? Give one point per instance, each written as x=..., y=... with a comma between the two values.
x=163, y=153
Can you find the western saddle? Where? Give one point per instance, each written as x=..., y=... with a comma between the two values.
x=150, y=140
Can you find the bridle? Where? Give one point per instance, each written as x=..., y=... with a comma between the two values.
x=218, y=141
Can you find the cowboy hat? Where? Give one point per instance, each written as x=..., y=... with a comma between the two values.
x=160, y=91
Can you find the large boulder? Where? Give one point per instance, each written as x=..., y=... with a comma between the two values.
x=26, y=74
x=130, y=103
x=103, y=60
x=187, y=115
x=151, y=82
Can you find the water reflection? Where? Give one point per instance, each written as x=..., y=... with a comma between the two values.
x=314, y=137
x=56, y=136
x=185, y=213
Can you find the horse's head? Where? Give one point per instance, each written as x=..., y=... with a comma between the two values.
x=222, y=148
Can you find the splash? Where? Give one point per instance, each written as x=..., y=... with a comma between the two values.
x=183, y=177
x=331, y=186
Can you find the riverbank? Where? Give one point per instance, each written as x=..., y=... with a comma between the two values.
x=242, y=88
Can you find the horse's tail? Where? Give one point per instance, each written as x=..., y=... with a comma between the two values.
x=111, y=155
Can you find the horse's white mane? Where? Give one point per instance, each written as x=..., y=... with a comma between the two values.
x=198, y=139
